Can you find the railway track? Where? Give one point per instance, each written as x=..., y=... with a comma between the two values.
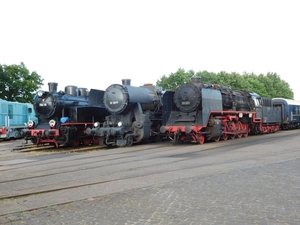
x=113, y=171
x=51, y=148
x=149, y=175
x=147, y=150
x=48, y=189
x=31, y=147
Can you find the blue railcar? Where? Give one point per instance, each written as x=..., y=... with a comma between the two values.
x=290, y=112
x=13, y=118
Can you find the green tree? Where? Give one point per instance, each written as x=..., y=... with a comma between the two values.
x=255, y=85
x=174, y=79
x=276, y=88
x=17, y=83
x=269, y=85
x=208, y=77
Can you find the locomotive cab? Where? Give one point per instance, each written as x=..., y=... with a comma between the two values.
x=257, y=104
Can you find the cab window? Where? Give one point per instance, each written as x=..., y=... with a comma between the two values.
x=257, y=101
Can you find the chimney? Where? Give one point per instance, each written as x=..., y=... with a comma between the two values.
x=195, y=79
x=126, y=81
x=52, y=86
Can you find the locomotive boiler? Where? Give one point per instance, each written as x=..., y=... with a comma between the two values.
x=135, y=114
x=63, y=116
x=54, y=104
x=210, y=112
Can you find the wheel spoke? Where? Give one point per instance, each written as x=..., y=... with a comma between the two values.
x=240, y=129
x=225, y=135
x=217, y=139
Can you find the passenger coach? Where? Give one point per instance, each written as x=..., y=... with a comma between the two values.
x=290, y=112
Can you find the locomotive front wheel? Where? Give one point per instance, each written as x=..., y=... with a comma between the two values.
x=96, y=141
x=17, y=135
x=201, y=140
x=75, y=143
x=33, y=140
x=129, y=140
x=63, y=139
x=86, y=141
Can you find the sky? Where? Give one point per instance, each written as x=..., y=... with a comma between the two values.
x=96, y=43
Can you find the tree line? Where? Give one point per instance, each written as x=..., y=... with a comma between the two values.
x=269, y=85
x=17, y=83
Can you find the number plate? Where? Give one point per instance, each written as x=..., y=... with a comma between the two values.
x=185, y=103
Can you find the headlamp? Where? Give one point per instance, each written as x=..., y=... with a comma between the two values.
x=40, y=93
x=96, y=124
x=30, y=124
x=52, y=123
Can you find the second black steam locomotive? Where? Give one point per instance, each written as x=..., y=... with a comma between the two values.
x=63, y=116
x=135, y=114
x=203, y=112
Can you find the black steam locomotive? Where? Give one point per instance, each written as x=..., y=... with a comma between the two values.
x=135, y=115
x=210, y=112
x=63, y=116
